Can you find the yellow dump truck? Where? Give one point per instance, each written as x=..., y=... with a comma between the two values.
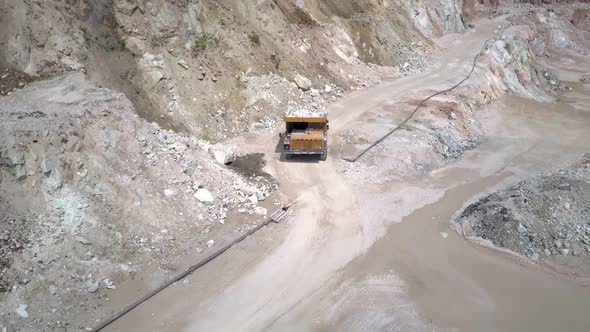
x=306, y=133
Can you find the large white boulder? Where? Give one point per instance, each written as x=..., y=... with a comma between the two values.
x=224, y=153
x=302, y=82
x=204, y=196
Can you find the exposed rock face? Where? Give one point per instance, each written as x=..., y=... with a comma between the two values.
x=224, y=153
x=147, y=46
x=89, y=189
x=433, y=18
x=514, y=68
x=51, y=36
x=302, y=82
x=91, y=195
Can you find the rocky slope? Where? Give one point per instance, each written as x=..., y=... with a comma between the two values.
x=544, y=218
x=107, y=172
x=510, y=62
x=184, y=63
x=92, y=195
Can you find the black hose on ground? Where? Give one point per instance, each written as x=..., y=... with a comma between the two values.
x=182, y=275
x=214, y=255
x=420, y=105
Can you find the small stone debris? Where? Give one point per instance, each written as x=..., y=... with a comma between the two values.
x=253, y=199
x=259, y=210
x=521, y=229
x=444, y=235
x=21, y=311
x=183, y=64
x=224, y=154
x=567, y=206
x=108, y=283
x=210, y=243
x=302, y=82
x=204, y=196
x=92, y=286
x=565, y=252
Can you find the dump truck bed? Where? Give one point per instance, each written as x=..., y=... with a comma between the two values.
x=306, y=133
x=307, y=141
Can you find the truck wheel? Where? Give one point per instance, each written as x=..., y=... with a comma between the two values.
x=288, y=156
x=323, y=156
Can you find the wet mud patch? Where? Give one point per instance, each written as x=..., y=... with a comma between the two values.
x=251, y=165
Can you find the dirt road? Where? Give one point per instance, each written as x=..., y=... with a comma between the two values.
x=329, y=274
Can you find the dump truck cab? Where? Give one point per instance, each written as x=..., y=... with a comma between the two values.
x=306, y=133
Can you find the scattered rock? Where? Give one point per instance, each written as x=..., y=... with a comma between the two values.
x=224, y=154
x=547, y=252
x=108, y=283
x=21, y=311
x=20, y=172
x=253, y=199
x=521, y=229
x=452, y=116
x=169, y=192
x=210, y=243
x=183, y=64
x=302, y=82
x=91, y=286
x=565, y=252
x=260, y=211
x=444, y=234
x=567, y=205
x=204, y=196
x=557, y=244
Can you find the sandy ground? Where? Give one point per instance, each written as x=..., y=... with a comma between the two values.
x=328, y=273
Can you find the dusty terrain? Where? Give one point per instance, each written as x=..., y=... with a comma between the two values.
x=112, y=179
x=91, y=192
x=328, y=275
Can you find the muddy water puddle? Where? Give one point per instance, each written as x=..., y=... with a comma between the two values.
x=457, y=284
x=251, y=165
